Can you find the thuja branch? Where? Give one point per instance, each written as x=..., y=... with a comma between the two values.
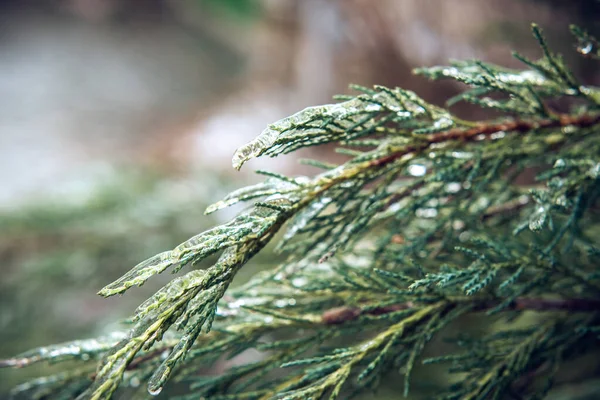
x=340, y=315
x=423, y=223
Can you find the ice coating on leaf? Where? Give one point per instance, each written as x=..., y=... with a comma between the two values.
x=81, y=349
x=243, y=228
x=139, y=274
x=473, y=72
x=303, y=218
x=538, y=219
x=277, y=130
x=442, y=122
x=159, y=313
x=172, y=290
x=44, y=387
x=162, y=374
x=266, y=188
x=332, y=122
x=155, y=391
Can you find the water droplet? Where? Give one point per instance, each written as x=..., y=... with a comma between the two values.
x=268, y=319
x=134, y=382
x=154, y=391
x=417, y=170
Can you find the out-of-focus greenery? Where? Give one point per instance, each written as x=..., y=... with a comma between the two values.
x=57, y=251
x=240, y=9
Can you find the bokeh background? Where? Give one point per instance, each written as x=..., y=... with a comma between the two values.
x=118, y=120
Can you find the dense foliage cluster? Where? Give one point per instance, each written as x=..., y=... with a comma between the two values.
x=426, y=224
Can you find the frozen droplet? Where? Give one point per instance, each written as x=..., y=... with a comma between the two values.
x=281, y=303
x=426, y=213
x=285, y=302
x=585, y=47
x=154, y=391
x=562, y=200
x=372, y=107
x=453, y=187
x=299, y=282
x=450, y=71
x=305, y=216
x=443, y=123
x=134, y=382
x=498, y=135
x=523, y=199
x=560, y=163
x=302, y=180
x=458, y=225
x=237, y=304
x=463, y=155
x=594, y=172
x=432, y=202
x=417, y=169
x=268, y=319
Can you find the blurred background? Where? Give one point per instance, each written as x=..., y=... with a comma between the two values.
x=118, y=120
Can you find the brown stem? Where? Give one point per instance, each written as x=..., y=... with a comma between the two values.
x=487, y=129
x=509, y=207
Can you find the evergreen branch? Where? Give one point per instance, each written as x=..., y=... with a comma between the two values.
x=343, y=314
x=78, y=349
x=423, y=223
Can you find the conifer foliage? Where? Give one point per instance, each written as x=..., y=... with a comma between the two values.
x=423, y=226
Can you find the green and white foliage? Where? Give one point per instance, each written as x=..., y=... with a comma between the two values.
x=423, y=224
